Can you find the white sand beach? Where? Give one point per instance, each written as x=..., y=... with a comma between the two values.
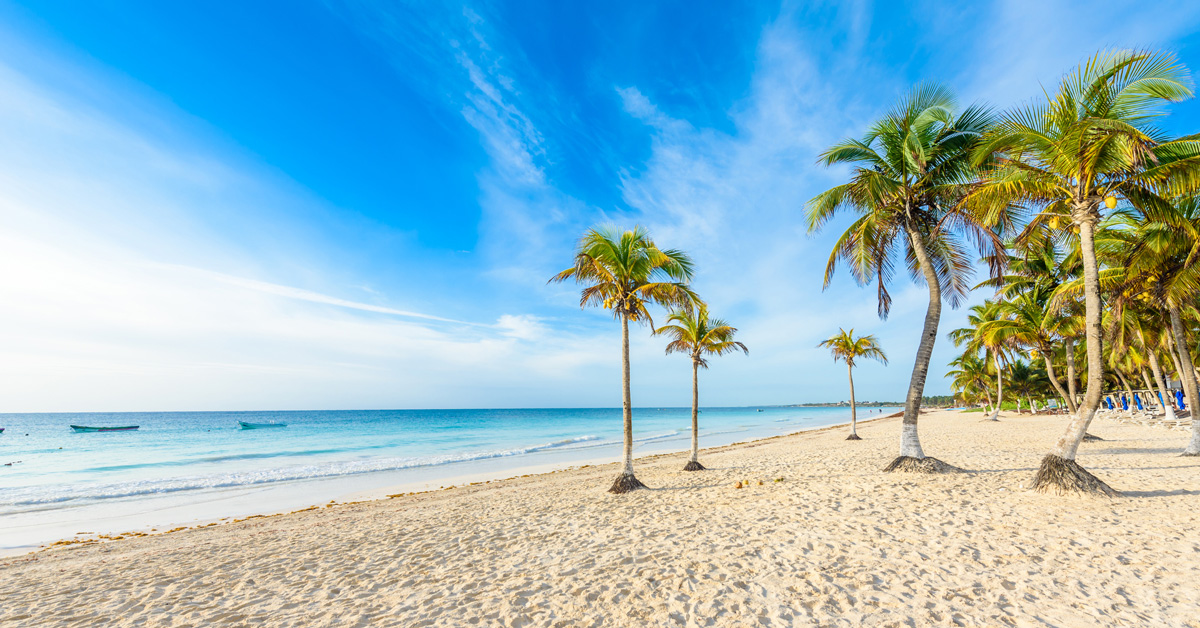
x=835, y=543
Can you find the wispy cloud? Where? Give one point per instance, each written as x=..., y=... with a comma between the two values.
x=153, y=274
x=483, y=74
x=154, y=263
x=98, y=331
x=1011, y=61
x=306, y=295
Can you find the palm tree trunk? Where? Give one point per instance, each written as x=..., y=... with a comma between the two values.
x=1054, y=381
x=626, y=481
x=694, y=462
x=853, y=411
x=912, y=458
x=1175, y=354
x=999, y=389
x=1032, y=407
x=1147, y=384
x=1059, y=472
x=1188, y=375
x=1128, y=389
x=1069, y=355
x=1163, y=391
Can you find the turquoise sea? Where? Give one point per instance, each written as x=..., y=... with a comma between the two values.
x=202, y=466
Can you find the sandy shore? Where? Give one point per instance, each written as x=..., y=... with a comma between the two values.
x=836, y=543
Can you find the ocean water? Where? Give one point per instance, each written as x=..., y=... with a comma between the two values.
x=202, y=466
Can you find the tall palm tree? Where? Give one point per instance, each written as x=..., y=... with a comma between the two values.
x=1090, y=143
x=1038, y=269
x=623, y=271
x=970, y=376
x=844, y=346
x=994, y=346
x=1157, y=253
x=1029, y=323
x=1035, y=264
x=1129, y=324
x=692, y=332
x=1156, y=369
x=910, y=171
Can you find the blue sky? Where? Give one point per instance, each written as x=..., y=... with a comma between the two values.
x=357, y=205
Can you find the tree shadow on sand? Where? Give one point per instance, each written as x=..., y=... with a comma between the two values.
x=1162, y=493
x=688, y=487
x=1023, y=469
x=1133, y=450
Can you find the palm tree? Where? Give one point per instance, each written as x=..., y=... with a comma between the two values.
x=970, y=376
x=910, y=171
x=1022, y=379
x=1157, y=261
x=697, y=335
x=844, y=346
x=1164, y=393
x=1029, y=323
x=1034, y=274
x=994, y=346
x=1043, y=390
x=623, y=271
x=1090, y=143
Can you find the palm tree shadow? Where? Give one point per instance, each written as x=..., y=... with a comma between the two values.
x=1127, y=469
x=1162, y=493
x=687, y=487
x=1135, y=450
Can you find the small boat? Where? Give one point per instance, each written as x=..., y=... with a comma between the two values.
x=87, y=428
x=256, y=426
x=1, y=430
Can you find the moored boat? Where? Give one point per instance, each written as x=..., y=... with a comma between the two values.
x=255, y=426
x=88, y=428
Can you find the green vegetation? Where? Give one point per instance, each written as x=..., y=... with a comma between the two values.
x=910, y=173
x=1085, y=212
x=693, y=333
x=846, y=348
x=1080, y=267
x=624, y=271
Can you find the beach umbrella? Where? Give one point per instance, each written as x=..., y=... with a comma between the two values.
x=1124, y=402
x=1137, y=400
x=1179, y=399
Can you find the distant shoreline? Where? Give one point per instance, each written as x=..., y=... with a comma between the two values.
x=858, y=404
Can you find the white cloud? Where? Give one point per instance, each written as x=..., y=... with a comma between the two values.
x=304, y=295
x=175, y=272
x=88, y=331
x=1012, y=60
x=151, y=265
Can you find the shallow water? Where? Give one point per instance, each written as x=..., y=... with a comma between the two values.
x=178, y=458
